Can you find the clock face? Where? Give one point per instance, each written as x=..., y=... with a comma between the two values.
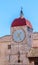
x=18, y=35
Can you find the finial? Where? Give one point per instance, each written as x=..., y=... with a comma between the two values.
x=21, y=13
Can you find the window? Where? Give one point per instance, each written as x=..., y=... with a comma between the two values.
x=9, y=46
x=30, y=36
x=18, y=57
x=19, y=61
x=29, y=29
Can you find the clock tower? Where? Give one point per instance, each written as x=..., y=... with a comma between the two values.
x=21, y=31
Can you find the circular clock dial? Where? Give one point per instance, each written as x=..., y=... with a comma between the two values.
x=18, y=35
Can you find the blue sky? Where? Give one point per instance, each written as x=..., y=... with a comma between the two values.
x=10, y=9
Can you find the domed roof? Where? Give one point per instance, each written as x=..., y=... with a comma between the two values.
x=21, y=21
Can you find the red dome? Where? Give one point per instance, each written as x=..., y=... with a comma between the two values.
x=21, y=22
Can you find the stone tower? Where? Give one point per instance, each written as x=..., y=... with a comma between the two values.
x=21, y=32
x=15, y=47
